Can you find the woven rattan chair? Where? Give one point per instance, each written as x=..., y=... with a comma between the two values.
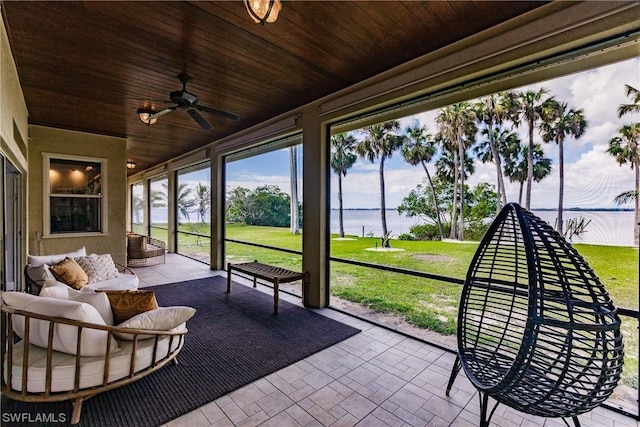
x=537, y=331
x=144, y=251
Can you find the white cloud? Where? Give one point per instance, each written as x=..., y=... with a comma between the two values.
x=592, y=177
x=252, y=181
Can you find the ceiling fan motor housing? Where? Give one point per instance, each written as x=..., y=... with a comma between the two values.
x=183, y=98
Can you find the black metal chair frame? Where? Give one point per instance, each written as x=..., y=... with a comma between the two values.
x=537, y=331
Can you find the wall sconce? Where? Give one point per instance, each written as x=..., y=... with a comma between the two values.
x=262, y=11
x=147, y=117
x=131, y=164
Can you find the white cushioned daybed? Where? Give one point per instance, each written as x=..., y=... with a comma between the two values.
x=69, y=349
x=101, y=272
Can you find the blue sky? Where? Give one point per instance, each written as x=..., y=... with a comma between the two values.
x=592, y=177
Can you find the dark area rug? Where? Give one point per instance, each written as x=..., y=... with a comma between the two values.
x=233, y=340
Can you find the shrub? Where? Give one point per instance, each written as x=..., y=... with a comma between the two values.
x=406, y=236
x=427, y=231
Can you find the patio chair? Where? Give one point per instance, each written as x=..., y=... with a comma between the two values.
x=144, y=251
x=537, y=331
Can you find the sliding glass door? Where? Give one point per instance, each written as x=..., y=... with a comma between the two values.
x=11, y=263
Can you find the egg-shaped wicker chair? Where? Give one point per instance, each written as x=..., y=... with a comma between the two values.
x=537, y=331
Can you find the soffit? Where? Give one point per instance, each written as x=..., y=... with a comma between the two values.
x=89, y=66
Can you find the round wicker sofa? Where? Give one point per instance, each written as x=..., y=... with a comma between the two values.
x=51, y=375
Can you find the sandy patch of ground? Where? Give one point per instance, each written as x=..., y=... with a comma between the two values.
x=433, y=257
x=384, y=249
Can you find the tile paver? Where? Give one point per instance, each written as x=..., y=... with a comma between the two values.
x=377, y=378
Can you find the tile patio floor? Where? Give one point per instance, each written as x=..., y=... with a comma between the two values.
x=375, y=378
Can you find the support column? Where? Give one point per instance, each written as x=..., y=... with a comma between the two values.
x=315, y=202
x=217, y=211
x=172, y=211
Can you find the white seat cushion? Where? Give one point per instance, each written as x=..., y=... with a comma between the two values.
x=121, y=283
x=92, y=368
x=54, y=289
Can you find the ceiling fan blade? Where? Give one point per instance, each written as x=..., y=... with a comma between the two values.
x=218, y=112
x=163, y=112
x=199, y=119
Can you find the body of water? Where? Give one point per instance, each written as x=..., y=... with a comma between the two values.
x=613, y=228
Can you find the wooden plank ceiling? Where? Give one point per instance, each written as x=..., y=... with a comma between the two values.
x=89, y=66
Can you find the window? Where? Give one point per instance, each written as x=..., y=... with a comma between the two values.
x=137, y=208
x=193, y=200
x=159, y=208
x=74, y=191
x=263, y=210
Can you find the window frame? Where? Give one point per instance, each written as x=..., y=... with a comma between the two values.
x=47, y=194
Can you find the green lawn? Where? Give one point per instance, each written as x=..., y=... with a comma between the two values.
x=424, y=302
x=427, y=303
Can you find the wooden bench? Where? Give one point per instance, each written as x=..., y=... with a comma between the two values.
x=276, y=275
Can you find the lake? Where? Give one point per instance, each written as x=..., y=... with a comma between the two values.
x=613, y=228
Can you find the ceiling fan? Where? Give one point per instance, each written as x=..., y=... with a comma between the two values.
x=185, y=101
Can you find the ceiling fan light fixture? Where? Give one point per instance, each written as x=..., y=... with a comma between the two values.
x=131, y=164
x=146, y=116
x=262, y=11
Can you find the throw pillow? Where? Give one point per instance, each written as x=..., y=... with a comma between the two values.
x=98, y=300
x=126, y=304
x=36, y=260
x=160, y=319
x=69, y=272
x=38, y=273
x=94, y=341
x=98, y=267
x=54, y=289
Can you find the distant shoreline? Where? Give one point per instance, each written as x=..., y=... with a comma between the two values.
x=533, y=209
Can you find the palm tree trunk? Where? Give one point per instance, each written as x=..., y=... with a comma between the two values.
x=340, y=218
x=454, y=210
x=383, y=211
x=636, y=237
x=462, y=173
x=435, y=200
x=293, y=157
x=502, y=197
x=520, y=195
x=529, y=166
x=561, y=190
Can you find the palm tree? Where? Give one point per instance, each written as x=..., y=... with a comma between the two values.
x=202, y=200
x=625, y=148
x=503, y=142
x=184, y=200
x=294, y=199
x=630, y=108
x=446, y=164
x=491, y=111
x=158, y=198
x=342, y=159
x=137, y=207
x=447, y=168
x=419, y=148
x=456, y=124
x=567, y=122
x=517, y=163
x=625, y=197
x=380, y=142
x=533, y=106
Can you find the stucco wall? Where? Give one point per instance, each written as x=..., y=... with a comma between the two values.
x=13, y=110
x=59, y=141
